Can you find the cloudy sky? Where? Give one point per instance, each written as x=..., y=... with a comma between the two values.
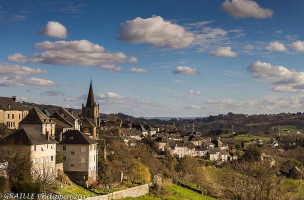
x=168, y=58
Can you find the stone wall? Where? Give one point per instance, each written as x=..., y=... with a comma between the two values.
x=130, y=192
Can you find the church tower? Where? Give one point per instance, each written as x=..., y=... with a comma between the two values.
x=91, y=110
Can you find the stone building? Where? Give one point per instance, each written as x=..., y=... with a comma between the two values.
x=31, y=144
x=80, y=155
x=91, y=109
x=39, y=121
x=11, y=113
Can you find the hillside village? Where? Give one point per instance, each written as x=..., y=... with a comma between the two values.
x=62, y=147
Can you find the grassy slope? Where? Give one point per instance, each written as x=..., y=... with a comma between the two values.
x=73, y=189
x=175, y=192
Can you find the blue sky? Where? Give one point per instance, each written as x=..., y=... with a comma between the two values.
x=155, y=58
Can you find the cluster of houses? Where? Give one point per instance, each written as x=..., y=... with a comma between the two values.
x=40, y=137
x=195, y=146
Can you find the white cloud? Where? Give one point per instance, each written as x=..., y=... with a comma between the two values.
x=298, y=45
x=74, y=53
x=110, y=67
x=155, y=31
x=185, y=70
x=19, y=81
x=54, y=29
x=282, y=79
x=223, y=51
x=70, y=99
x=7, y=68
x=17, y=57
x=51, y=93
x=21, y=98
x=210, y=35
x=276, y=46
x=138, y=70
x=193, y=107
x=192, y=92
x=246, y=8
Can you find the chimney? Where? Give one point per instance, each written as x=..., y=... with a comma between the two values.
x=14, y=98
x=48, y=135
x=60, y=136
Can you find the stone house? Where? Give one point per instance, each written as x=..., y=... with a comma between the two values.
x=31, y=144
x=39, y=121
x=63, y=113
x=196, y=140
x=11, y=113
x=80, y=155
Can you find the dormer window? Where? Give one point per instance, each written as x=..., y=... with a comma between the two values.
x=71, y=138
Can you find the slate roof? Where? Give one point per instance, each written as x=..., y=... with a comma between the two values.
x=26, y=136
x=90, y=100
x=76, y=137
x=35, y=116
x=7, y=103
x=61, y=124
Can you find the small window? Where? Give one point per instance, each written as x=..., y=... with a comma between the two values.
x=63, y=148
x=8, y=116
x=72, y=165
x=83, y=160
x=8, y=124
x=42, y=148
x=35, y=148
x=64, y=158
x=13, y=116
x=52, y=158
x=72, y=153
x=19, y=116
x=52, y=147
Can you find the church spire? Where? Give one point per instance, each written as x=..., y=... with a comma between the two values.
x=90, y=100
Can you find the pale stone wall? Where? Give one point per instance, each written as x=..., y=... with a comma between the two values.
x=80, y=158
x=131, y=192
x=43, y=159
x=13, y=117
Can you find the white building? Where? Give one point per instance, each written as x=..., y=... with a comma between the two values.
x=34, y=146
x=80, y=155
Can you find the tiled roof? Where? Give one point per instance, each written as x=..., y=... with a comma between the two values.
x=26, y=136
x=76, y=137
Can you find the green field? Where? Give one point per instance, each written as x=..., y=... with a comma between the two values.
x=247, y=138
x=294, y=188
x=175, y=192
x=289, y=130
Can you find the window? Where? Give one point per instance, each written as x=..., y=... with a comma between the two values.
x=71, y=138
x=64, y=158
x=8, y=124
x=42, y=148
x=63, y=148
x=51, y=169
x=72, y=165
x=83, y=149
x=52, y=147
x=8, y=116
x=52, y=158
x=11, y=124
x=72, y=153
x=42, y=160
x=35, y=148
x=83, y=160
x=19, y=116
x=34, y=161
x=13, y=116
